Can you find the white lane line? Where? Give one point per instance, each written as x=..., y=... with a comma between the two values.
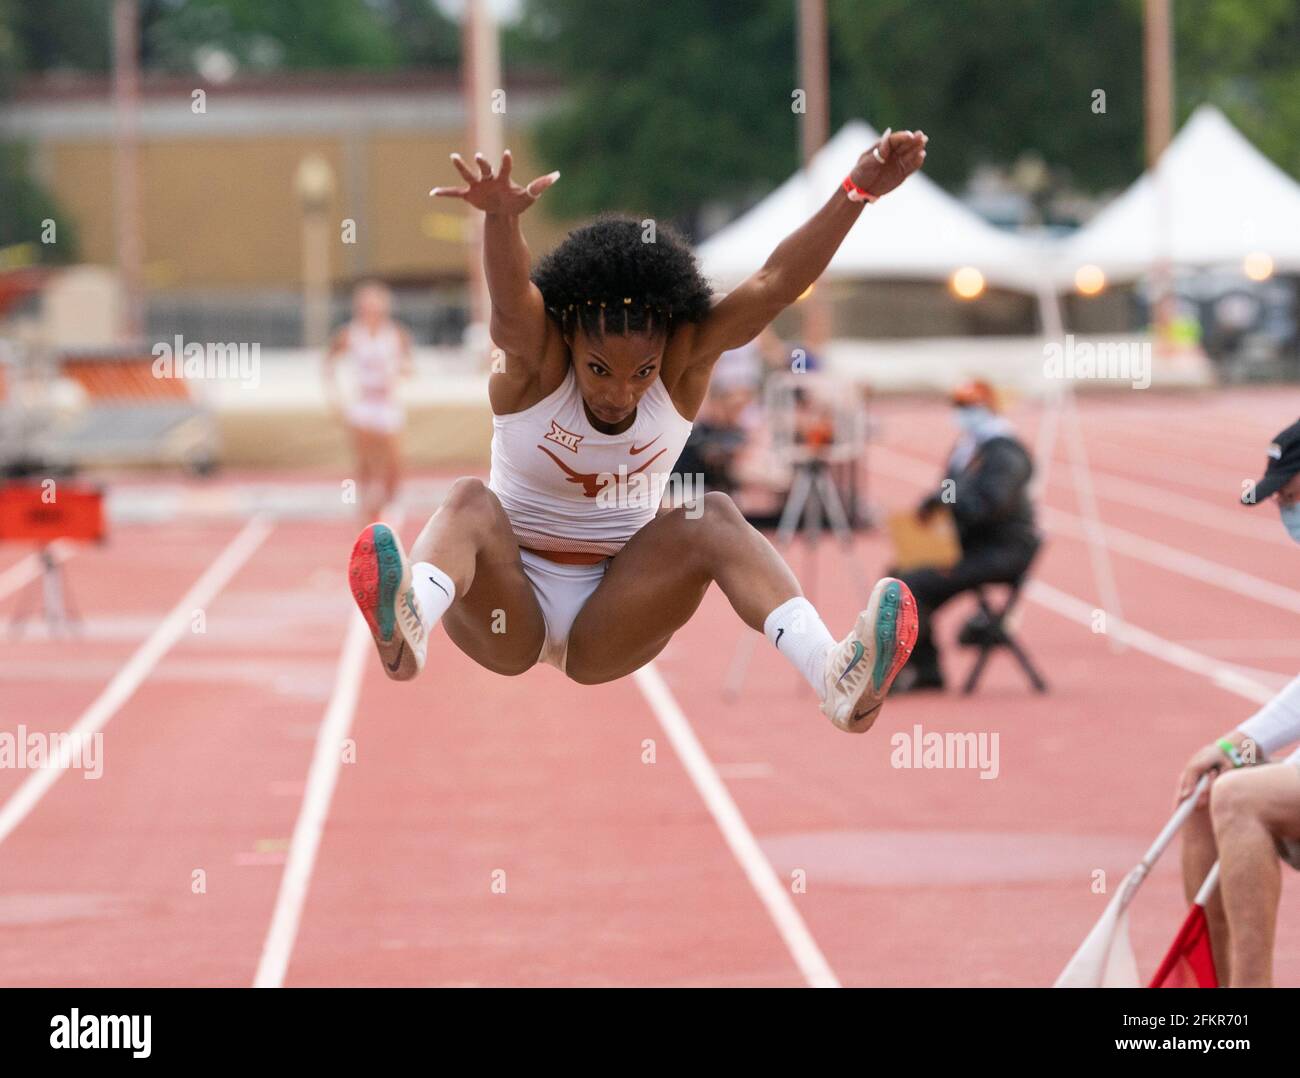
x=1222, y=674
x=308, y=831
x=780, y=907
x=1175, y=560
x=1172, y=559
x=137, y=668
x=27, y=569
x=1222, y=516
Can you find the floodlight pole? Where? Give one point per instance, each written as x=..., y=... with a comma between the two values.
x=484, y=111
x=814, y=129
x=126, y=177
x=1159, y=105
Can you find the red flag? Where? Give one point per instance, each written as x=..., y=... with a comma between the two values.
x=1190, y=961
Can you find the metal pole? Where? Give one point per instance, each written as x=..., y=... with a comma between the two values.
x=484, y=113
x=126, y=180
x=814, y=130
x=1159, y=98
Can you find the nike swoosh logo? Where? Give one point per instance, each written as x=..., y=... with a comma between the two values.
x=634, y=450
x=777, y=641
x=439, y=587
x=392, y=667
x=858, y=652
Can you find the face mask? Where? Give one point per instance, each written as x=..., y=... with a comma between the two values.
x=1291, y=520
x=970, y=418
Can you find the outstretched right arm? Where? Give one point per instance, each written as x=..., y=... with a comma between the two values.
x=519, y=325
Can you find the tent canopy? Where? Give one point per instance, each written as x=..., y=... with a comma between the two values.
x=1212, y=199
x=917, y=231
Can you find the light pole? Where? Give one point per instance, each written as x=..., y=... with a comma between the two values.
x=814, y=129
x=126, y=178
x=1159, y=100
x=314, y=184
x=484, y=113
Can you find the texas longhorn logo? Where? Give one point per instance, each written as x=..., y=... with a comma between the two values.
x=563, y=437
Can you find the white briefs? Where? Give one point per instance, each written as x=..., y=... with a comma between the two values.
x=561, y=590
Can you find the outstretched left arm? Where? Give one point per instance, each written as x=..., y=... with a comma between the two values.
x=802, y=256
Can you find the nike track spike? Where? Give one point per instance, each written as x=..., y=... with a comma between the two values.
x=380, y=578
x=862, y=666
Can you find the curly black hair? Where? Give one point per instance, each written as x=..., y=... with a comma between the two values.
x=609, y=268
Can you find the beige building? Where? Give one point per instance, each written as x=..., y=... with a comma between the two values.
x=217, y=166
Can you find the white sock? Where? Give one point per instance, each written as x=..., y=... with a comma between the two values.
x=434, y=591
x=797, y=632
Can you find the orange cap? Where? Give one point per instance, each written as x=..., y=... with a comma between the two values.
x=976, y=391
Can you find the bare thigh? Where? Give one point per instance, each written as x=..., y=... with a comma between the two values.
x=496, y=621
x=651, y=589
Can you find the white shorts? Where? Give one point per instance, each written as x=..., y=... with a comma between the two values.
x=381, y=417
x=561, y=590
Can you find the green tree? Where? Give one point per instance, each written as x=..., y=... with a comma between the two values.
x=666, y=105
x=989, y=80
x=24, y=202
x=670, y=105
x=1244, y=55
x=260, y=34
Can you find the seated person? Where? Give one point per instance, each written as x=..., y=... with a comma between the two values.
x=986, y=488
x=1249, y=818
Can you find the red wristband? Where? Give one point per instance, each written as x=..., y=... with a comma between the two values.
x=856, y=193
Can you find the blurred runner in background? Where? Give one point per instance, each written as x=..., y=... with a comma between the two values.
x=377, y=352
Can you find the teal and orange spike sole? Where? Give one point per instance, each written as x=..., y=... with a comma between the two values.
x=887, y=629
x=380, y=580
x=896, y=628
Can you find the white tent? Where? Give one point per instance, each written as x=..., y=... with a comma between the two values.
x=916, y=231
x=1212, y=199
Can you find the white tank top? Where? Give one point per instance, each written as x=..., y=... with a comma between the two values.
x=376, y=362
x=567, y=487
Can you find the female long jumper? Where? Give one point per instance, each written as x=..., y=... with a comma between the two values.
x=566, y=555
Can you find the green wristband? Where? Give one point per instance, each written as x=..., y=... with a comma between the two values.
x=1231, y=752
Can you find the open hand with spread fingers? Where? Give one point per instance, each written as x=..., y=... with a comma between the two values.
x=494, y=193
x=890, y=161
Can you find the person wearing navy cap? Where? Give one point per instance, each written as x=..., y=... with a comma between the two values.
x=1248, y=818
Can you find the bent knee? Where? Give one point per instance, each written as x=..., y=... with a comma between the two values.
x=1233, y=796
x=720, y=507
x=469, y=492
x=470, y=499
x=713, y=514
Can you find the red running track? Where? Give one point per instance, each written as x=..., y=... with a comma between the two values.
x=487, y=830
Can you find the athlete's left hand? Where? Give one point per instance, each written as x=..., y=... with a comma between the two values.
x=903, y=153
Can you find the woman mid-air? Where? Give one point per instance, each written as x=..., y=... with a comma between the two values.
x=603, y=358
